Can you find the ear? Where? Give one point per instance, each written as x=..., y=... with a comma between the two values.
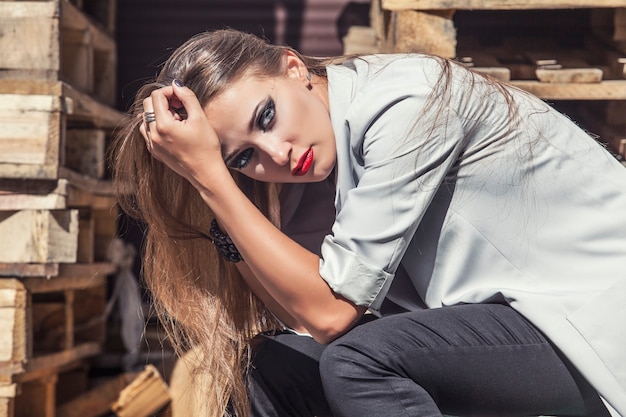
x=295, y=67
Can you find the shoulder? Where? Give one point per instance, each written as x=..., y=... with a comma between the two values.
x=370, y=71
x=362, y=89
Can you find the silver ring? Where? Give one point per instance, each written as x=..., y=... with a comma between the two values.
x=149, y=117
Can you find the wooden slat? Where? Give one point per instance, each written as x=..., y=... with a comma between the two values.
x=496, y=4
x=59, y=359
x=28, y=270
x=606, y=90
x=13, y=321
x=32, y=131
x=39, y=236
x=56, y=194
x=43, y=274
x=569, y=75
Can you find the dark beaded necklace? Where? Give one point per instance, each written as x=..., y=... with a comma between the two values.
x=223, y=243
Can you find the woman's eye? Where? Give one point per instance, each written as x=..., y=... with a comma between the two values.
x=266, y=116
x=243, y=159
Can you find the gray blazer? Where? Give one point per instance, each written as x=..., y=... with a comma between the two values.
x=453, y=203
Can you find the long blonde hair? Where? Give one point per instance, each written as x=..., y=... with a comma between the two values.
x=202, y=301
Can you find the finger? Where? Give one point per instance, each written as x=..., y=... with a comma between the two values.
x=148, y=113
x=187, y=98
x=148, y=118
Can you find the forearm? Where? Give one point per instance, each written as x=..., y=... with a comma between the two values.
x=277, y=310
x=284, y=269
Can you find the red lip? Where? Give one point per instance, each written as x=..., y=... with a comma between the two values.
x=304, y=163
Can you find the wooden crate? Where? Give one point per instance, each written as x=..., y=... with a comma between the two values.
x=47, y=126
x=53, y=41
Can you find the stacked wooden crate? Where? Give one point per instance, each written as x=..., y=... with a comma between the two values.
x=580, y=69
x=57, y=210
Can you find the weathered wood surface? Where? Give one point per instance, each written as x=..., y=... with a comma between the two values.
x=606, y=90
x=32, y=132
x=38, y=236
x=497, y=4
x=13, y=325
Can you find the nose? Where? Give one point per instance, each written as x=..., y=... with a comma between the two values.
x=278, y=150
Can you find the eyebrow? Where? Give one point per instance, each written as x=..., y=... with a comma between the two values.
x=255, y=114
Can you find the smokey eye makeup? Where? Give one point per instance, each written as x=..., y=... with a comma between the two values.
x=266, y=116
x=264, y=122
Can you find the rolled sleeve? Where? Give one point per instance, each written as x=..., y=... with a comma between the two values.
x=350, y=276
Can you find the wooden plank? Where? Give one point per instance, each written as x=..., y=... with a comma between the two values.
x=43, y=274
x=57, y=360
x=144, y=396
x=13, y=321
x=32, y=129
x=497, y=4
x=8, y=391
x=39, y=236
x=38, y=285
x=569, y=75
x=57, y=194
x=606, y=90
x=26, y=194
x=28, y=270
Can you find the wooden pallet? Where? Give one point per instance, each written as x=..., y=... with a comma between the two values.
x=54, y=40
x=47, y=126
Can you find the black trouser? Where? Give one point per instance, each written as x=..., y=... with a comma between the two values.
x=470, y=360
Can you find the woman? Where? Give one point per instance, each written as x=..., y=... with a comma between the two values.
x=286, y=192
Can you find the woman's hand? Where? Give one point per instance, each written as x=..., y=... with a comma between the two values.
x=187, y=145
